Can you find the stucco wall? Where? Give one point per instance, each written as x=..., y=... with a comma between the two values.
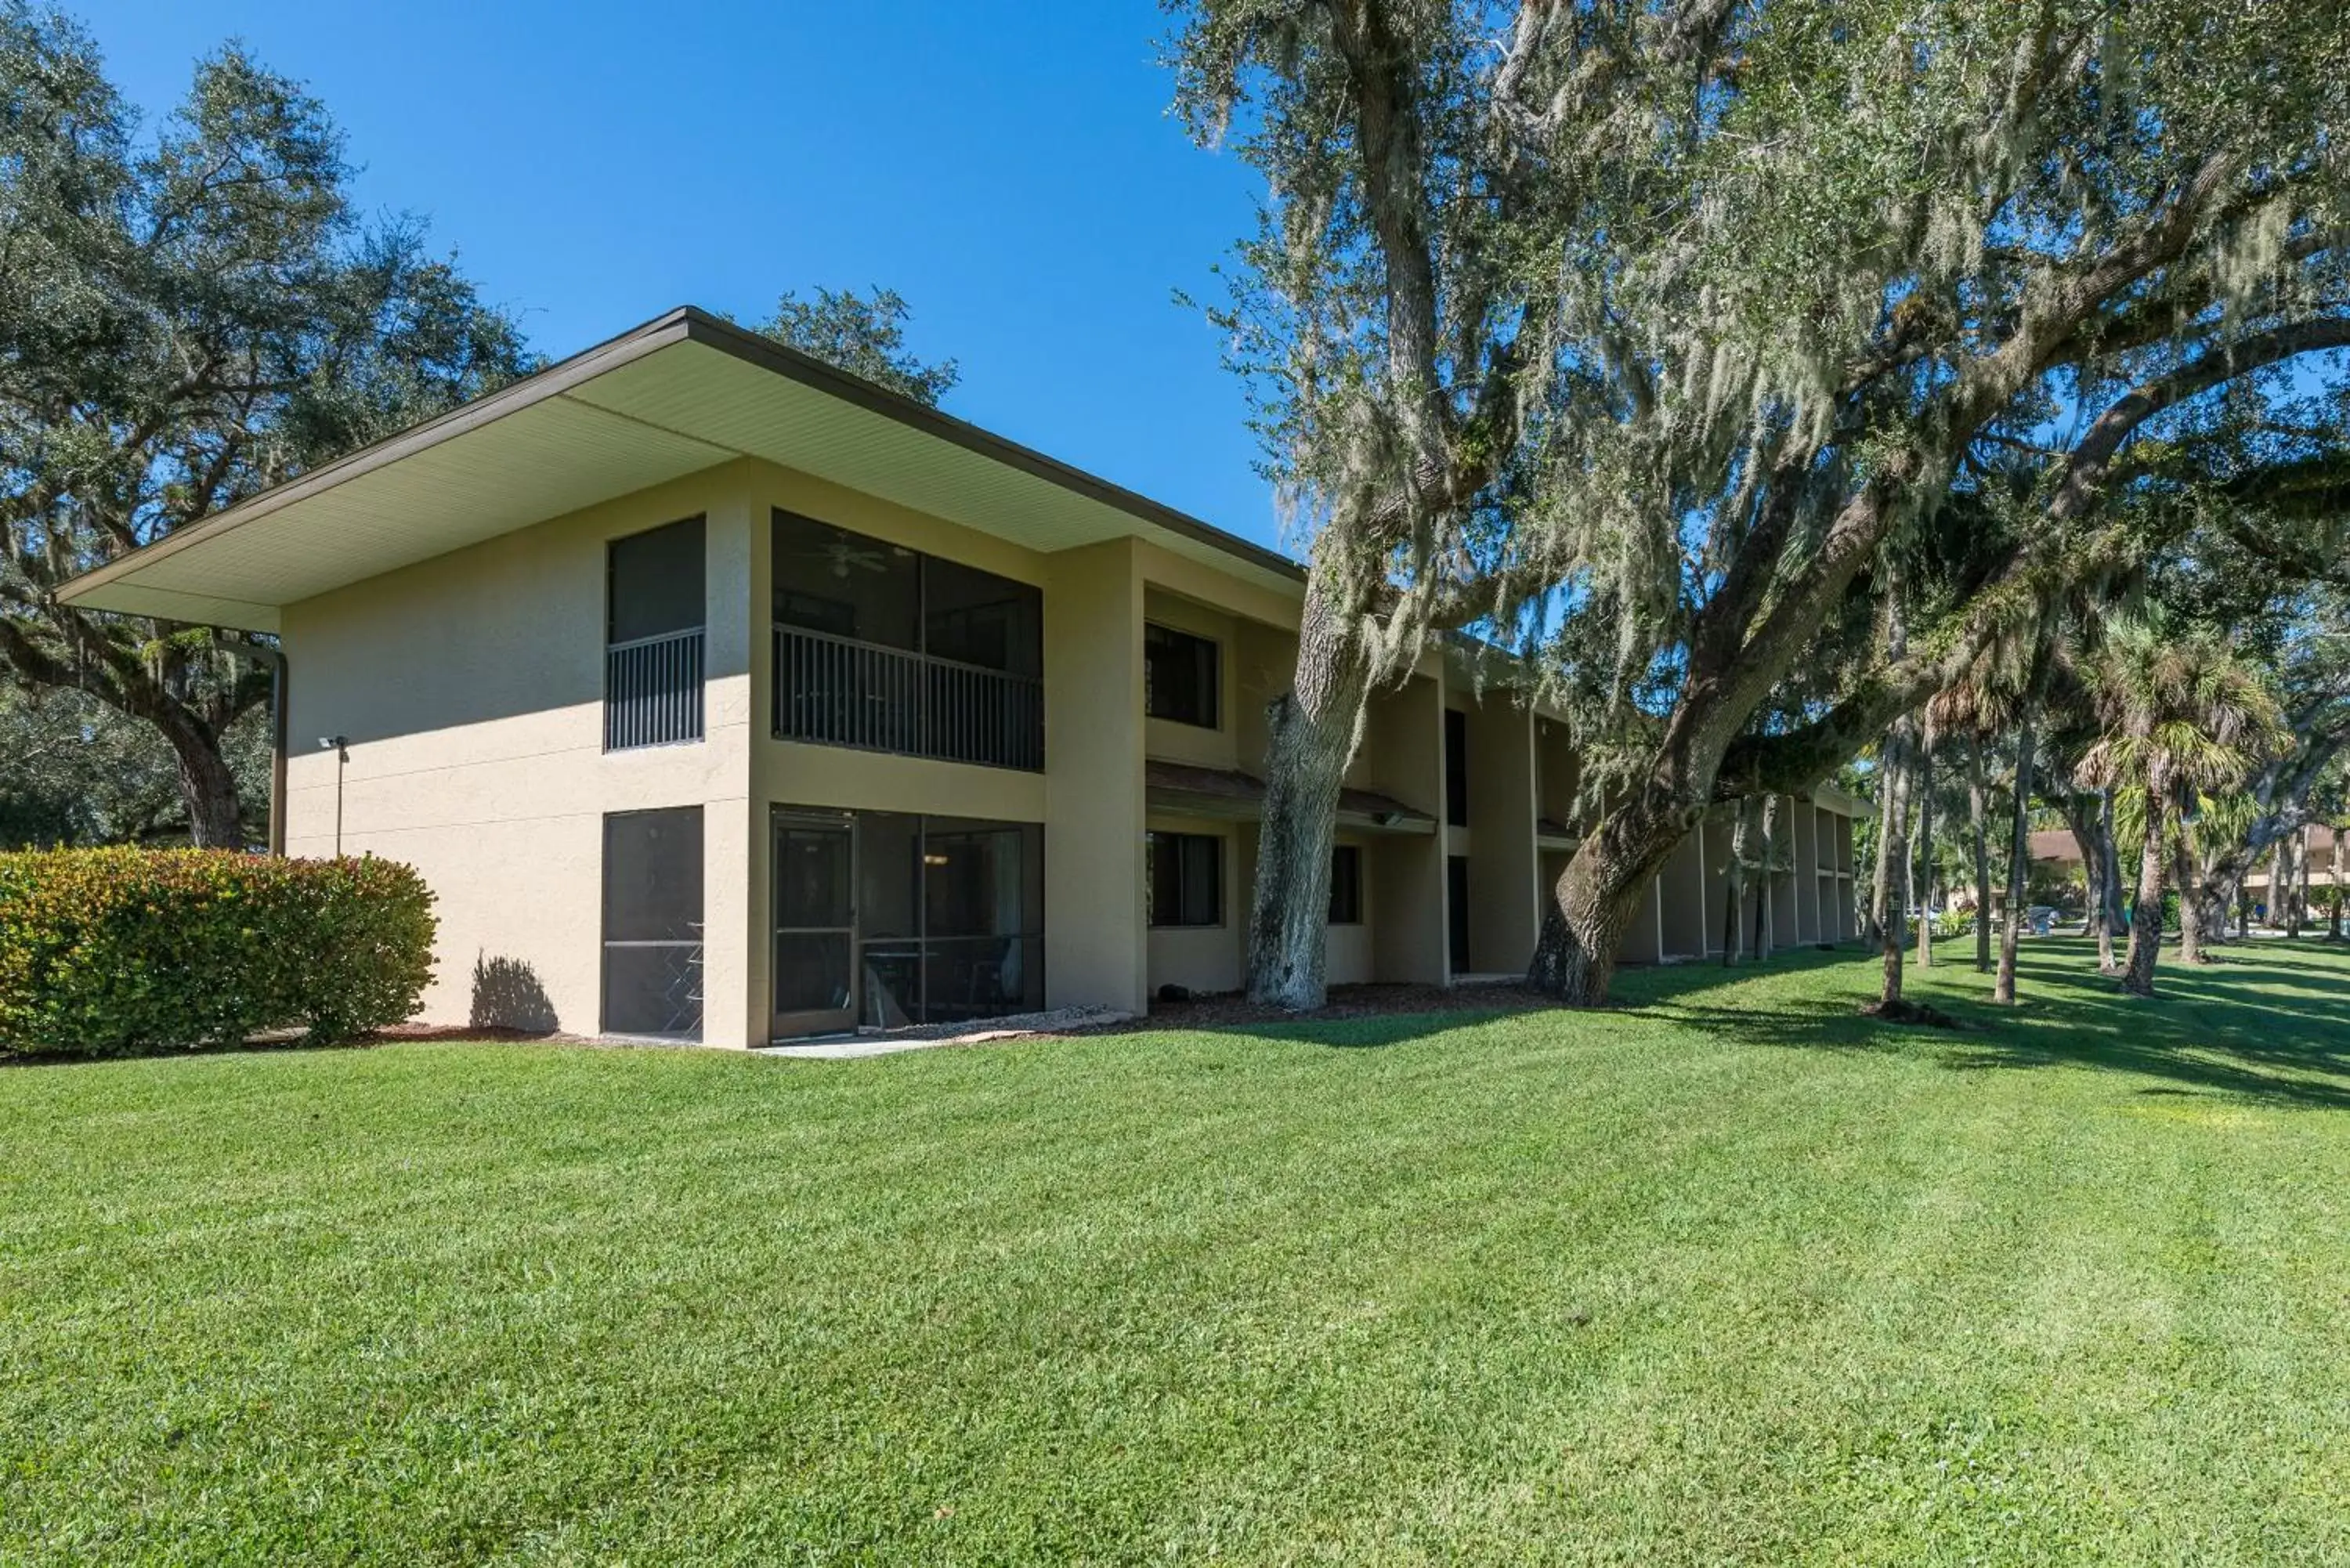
x=1206, y=958
x=1093, y=945
x=471, y=689
x=1402, y=756
x=1197, y=744
x=1503, y=868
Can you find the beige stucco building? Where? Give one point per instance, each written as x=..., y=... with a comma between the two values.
x=716, y=693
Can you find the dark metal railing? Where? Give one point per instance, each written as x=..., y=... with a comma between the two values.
x=652, y=691
x=839, y=691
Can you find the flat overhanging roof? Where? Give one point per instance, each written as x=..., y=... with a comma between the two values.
x=677, y=395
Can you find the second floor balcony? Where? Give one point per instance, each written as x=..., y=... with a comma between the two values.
x=888, y=649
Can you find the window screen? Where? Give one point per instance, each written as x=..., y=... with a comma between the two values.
x=849, y=585
x=652, y=922
x=1179, y=676
x=654, y=584
x=977, y=617
x=1184, y=878
x=1346, y=885
x=1456, y=767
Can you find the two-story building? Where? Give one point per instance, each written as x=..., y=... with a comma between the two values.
x=718, y=695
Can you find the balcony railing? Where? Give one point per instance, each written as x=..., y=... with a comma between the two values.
x=839, y=691
x=652, y=691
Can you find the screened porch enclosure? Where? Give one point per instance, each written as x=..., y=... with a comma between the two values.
x=889, y=649
x=884, y=919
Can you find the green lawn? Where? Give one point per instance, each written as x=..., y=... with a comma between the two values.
x=1726, y=1274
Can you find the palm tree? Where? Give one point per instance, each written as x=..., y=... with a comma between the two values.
x=2181, y=716
x=2001, y=692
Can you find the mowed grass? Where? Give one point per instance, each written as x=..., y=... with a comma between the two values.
x=1725, y=1274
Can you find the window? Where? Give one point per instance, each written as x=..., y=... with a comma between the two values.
x=653, y=607
x=1456, y=767
x=1184, y=878
x=652, y=922
x=1346, y=885
x=1180, y=676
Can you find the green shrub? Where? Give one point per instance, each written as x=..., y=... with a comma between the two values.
x=113, y=950
x=1952, y=924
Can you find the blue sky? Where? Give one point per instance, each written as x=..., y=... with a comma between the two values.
x=1009, y=167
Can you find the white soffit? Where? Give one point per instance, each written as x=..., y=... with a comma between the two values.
x=752, y=410
x=553, y=457
x=663, y=411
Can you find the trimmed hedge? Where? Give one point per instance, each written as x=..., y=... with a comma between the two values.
x=104, y=951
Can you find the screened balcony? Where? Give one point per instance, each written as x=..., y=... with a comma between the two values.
x=653, y=637
x=885, y=649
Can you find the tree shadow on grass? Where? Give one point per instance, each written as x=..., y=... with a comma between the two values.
x=2253, y=1028
x=1366, y=1032
x=2261, y=1025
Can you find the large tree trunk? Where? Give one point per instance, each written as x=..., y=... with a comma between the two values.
x=1310, y=736
x=1893, y=858
x=2018, y=862
x=2301, y=915
x=2109, y=898
x=1925, y=852
x=215, y=817
x=2191, y=915
x=2146, y=919
x=2091, y=817
x=1767, y=874
x=1883, y=895
x=2277, y=865
x=1976, y=807
x=2212, y=904
x=1593, y=905
x=2334, y=907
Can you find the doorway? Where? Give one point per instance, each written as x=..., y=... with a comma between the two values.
x=815, y=926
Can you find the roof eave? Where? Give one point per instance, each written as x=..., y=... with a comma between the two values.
x=687, y=324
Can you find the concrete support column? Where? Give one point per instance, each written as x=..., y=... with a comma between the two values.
x=1402, y=756
x=734, y=938
x=1095, y=942
x=1787, y=919
x=1682, y=898
x=1504, y=891
x=1808, y=871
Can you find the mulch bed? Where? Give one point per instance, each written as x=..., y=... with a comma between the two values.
x=405, y=1033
